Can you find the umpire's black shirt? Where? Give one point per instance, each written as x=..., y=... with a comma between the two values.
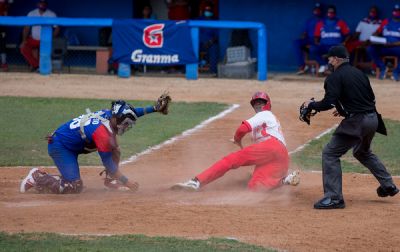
x=349, y=87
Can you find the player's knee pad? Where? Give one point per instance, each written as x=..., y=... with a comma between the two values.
x=70, y=187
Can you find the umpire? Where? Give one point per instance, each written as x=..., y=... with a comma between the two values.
x=349, y=91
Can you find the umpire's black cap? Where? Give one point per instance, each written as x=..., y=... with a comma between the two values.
x=338, y=51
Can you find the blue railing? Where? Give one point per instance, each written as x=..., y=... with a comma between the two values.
x=191, y=69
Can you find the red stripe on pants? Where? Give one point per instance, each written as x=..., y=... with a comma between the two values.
x=270, y=158
x=30, y=51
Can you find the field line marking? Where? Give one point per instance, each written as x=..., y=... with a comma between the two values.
x=182, y=135
x=301, y=147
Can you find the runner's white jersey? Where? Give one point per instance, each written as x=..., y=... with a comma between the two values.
x=264, y=124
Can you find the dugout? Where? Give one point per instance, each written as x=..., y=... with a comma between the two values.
x=283, y=19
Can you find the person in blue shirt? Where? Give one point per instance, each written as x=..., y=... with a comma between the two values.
x=209, y=40
x=331, y=31
x=302, y=44
x=389, y=29
x=94, y=131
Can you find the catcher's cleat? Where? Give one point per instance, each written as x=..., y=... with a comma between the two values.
x=292, y=179
x=191, y=185
x=28, y=181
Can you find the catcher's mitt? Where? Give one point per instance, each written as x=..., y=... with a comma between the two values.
x=113, y=184
x=306, y=113
x=162, y=103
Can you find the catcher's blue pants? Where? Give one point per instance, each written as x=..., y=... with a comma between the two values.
x=65, y=160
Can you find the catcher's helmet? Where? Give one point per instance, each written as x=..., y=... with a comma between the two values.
x=122, y=110
x=125, y=114
x=261, y=96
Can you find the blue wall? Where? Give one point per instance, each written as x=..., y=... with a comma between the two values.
x=284, y=20
x=75, y=8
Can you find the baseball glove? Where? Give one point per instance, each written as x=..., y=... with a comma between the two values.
x=306, y=113
x=162, y=103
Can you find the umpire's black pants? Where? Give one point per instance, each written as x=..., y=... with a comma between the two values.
x=357, y=132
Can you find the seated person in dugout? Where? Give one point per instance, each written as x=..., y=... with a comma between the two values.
x=302, y=44
x=329, y=32
x=389, y=29
x=268, y=153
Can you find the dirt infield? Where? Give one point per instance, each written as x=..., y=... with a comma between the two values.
x=282, y=219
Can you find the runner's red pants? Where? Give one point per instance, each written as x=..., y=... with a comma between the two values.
x=270, y=158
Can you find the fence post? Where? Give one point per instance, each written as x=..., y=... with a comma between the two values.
x=192, y=69
x=46, y=35
x=262, y=54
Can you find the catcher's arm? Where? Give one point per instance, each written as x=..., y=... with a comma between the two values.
x=161, y=106
x=109, y=152
x=134, y=186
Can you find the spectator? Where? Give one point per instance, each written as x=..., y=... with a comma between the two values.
x=147, y=12
x=209, y=40
x=178, y=9
x=390, y=31
x=307, y=38
x=3, y=55
x=31, y=37
x=328, y=32
x=365, y=28
x=213, y=3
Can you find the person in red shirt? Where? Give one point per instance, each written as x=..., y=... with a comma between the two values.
x=31, y=35
x=178, y=9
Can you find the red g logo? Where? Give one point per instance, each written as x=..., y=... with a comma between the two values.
x=153, y=36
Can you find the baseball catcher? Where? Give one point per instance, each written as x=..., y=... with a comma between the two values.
x=94, y=131
x=268, y=154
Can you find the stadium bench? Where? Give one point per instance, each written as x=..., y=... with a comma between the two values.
x=102, y=55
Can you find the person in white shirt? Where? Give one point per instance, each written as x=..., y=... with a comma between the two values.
x=31, y=36
x=268, y=153
x=365, y=29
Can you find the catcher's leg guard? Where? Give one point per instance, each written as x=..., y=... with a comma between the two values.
x=46, y=183
x=71, y=187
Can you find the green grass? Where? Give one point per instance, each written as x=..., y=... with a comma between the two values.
x=25, y=122
x=54, y=242
x=386, y=147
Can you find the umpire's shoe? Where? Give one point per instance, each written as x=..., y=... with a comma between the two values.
x=387, y=191
x=329, y=203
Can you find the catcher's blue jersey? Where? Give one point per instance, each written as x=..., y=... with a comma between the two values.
x=70, y=135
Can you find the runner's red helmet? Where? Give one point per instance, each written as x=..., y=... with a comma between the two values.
x=262, y=96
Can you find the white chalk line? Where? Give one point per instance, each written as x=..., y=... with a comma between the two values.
x=109, y=235
x=182, y=135
x=301, y=147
